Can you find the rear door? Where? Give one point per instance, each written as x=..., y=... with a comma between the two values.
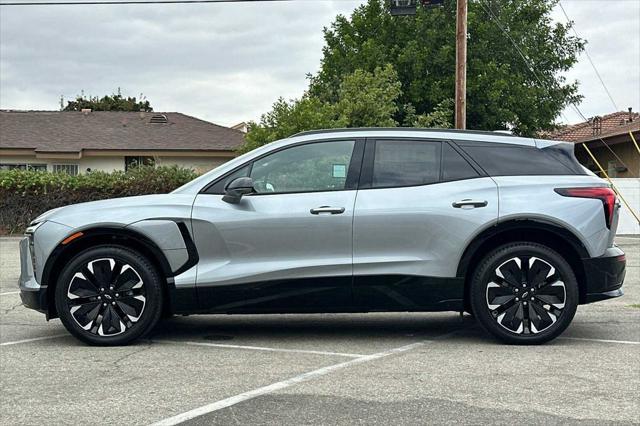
x=419, y=204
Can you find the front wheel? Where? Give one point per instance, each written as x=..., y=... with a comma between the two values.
x=524, y=293
x=109, y=295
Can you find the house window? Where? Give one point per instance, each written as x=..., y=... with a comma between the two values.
x=24, y=166
x=138, y=161
x=70, y=169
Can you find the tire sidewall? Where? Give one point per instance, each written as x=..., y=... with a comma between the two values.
x=485, y=271
x=153, y=294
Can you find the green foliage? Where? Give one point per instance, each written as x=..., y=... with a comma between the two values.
x=369, y=99
x=115, y=102
x=364, y=99
x=25, y=194
x=502, y=90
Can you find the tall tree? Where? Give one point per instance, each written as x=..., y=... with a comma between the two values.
x=363, y=99
x=114, y=102
x=504, y=90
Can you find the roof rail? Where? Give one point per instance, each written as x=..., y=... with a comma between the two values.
x=403, y=129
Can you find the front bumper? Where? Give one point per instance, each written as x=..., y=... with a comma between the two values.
x=33, y=294
x=604, y=275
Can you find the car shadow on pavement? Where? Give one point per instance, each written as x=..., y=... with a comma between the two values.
x=312, y=326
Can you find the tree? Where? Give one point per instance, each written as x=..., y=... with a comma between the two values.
x=115, y=102
x=363, y=99
x=502, y=90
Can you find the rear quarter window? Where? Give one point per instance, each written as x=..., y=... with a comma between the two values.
x=515, y=160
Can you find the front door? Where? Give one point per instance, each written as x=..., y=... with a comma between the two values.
x=288, y=247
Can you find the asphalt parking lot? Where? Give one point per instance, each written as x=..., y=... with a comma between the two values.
x=322, y=369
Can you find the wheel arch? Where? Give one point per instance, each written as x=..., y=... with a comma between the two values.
x=556, y=237
x=93, y=237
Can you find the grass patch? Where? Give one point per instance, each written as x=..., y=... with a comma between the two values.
x=635, y=305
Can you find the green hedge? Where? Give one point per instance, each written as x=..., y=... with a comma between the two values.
x=26, y=194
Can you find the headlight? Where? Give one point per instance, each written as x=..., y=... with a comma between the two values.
x=29, y=234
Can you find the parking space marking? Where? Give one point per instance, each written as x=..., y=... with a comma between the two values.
x=9, y=292
x=623, y=342
x=260, y=348
x=304, y=377
x=35, y=339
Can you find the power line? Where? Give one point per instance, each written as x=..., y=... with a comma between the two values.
x=524, y=57
x=116, y=2
x=586, y=52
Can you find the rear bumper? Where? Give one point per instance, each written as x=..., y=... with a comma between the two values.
x=604, y=275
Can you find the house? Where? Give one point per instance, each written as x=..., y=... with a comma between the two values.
x=608, y=138
x=82, y=141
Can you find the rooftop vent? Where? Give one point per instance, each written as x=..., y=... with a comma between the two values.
x=159, y=118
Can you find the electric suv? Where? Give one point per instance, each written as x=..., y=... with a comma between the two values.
x=510, y=229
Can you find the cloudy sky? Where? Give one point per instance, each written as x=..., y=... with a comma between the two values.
x=228, y=62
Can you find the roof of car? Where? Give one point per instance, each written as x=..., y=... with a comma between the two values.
x=409, y=132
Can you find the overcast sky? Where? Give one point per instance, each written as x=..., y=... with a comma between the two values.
x=227, y=63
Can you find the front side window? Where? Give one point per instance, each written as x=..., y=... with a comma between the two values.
x=405, y=163
x=304, y=168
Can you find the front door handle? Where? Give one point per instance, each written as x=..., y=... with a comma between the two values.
x=327, y=209
x=469, y=204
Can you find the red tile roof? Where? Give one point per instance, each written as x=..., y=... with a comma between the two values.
x=73, y=131
x=613, y=124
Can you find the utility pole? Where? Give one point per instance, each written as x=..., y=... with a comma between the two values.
x=461, y=65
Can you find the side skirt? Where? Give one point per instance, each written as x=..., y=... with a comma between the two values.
x=376, y=293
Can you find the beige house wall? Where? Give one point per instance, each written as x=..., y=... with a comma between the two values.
x=200, y=164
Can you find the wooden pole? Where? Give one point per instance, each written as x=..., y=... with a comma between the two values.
x=461, y=65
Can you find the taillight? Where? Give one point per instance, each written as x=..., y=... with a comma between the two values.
x=606, y=195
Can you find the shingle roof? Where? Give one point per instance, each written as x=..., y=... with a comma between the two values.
x=610, y=125
x=55, y=131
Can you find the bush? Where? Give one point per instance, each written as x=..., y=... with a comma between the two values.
x=25, y=194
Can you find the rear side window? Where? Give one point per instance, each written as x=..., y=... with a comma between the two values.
x=454, y=166
x=514, y=160
x=405, y=163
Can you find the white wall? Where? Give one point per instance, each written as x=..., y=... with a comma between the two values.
x=109, y=164
x=630, y=190
x=199, y=164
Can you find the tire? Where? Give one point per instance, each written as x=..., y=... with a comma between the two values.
x=109, y=295
x=530, y=308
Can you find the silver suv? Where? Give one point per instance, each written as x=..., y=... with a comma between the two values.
x=512, y=230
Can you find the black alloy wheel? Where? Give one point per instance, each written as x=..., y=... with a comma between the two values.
x=524, y=293
x=109, y=295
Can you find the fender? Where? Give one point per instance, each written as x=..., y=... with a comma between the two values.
x=515, y=225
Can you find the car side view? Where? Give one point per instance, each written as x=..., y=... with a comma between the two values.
x=513, y=230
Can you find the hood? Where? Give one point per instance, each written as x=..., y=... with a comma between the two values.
x=121, y=211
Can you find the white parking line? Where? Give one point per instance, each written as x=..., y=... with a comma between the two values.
x=35, y=339
x=259, y=348
x=9, y=292
x=304, y=377
x=624, y=342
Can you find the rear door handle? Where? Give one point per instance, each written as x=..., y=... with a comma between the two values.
x=468, y=203
x=327, y=209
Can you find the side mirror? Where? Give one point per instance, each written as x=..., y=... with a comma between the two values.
x=237, y=188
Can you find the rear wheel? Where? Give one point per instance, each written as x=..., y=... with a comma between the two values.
x=109, y=295
x=524, y=293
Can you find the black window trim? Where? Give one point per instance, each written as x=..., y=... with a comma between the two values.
x=366, y=174
x=353, y=173
x=461, y=144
